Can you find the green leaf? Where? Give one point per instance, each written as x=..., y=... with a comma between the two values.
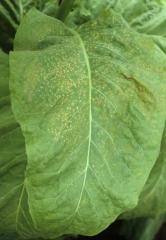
x=11, y=8
x=11, y=13
x=161, y=43
x=152, y=199
x=132, y=9
x=14, y=212
x=51, y=8
x=160, y=2
x=152, y=22
x=146, y=17
x=12, y=159
x=85, y=102
x=84, y=11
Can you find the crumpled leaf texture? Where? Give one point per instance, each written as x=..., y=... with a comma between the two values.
x=91, y=105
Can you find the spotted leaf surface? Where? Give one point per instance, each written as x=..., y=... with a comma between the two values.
x=91, y=106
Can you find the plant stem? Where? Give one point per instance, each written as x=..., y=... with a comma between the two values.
x=64, y=9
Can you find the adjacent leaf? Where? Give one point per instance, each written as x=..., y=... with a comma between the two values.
x=14, y=213
x=146, y=17
x=151, y=22
x=142, y=228
x=12, y=154
x=84, y=11
x=51, y=8
x=7, y=28
x=11, y=7
x=160, y=2
x=11, y=13
x=91, y=105
x=133, y=8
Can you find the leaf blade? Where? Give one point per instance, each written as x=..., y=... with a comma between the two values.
x=66, y=180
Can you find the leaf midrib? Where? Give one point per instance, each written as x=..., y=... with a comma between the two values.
x=90, y=114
